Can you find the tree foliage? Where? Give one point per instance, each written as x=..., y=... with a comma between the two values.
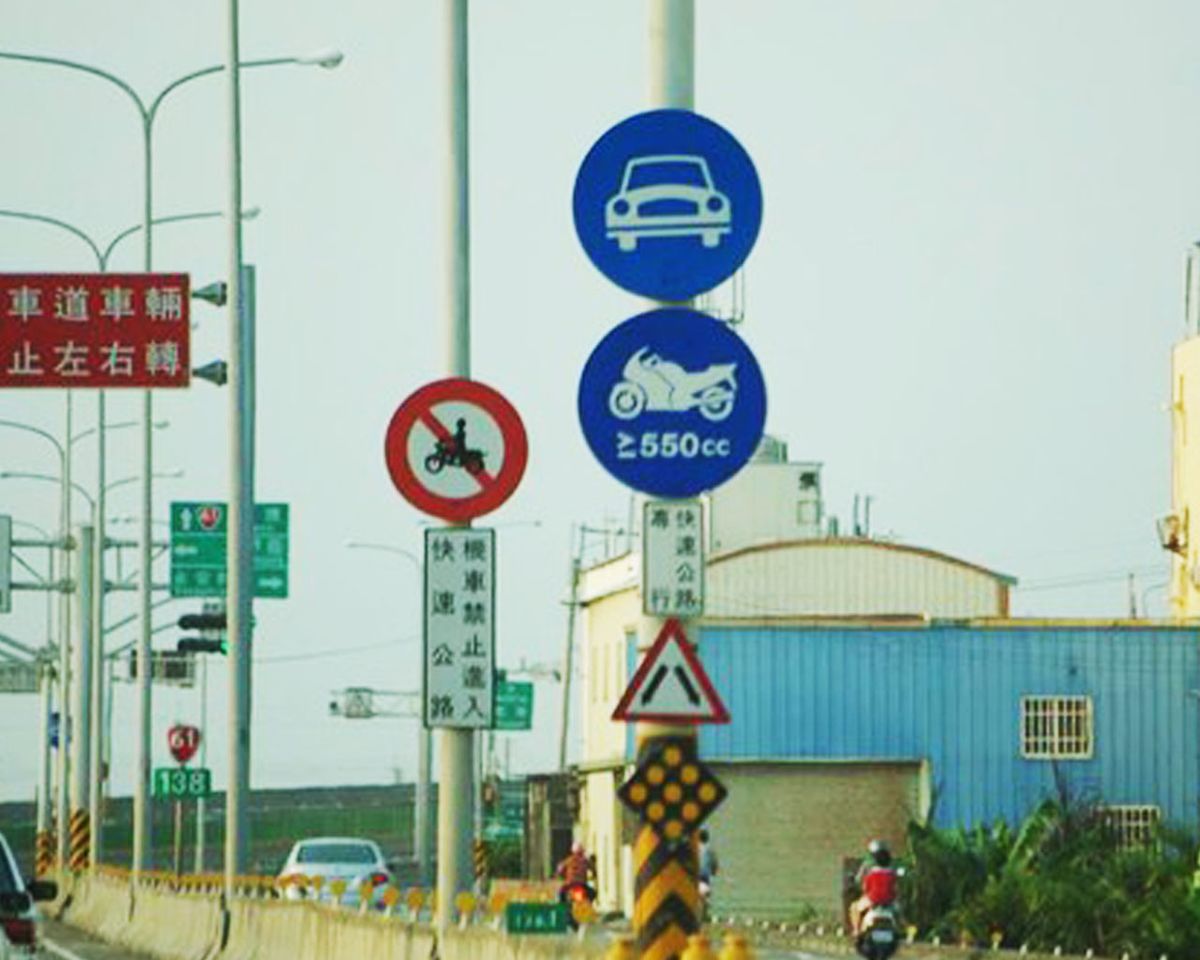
x=1062, y=879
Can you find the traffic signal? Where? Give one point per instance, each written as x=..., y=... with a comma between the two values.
x=201, y=645
x=202, y=621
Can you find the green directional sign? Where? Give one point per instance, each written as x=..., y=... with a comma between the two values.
x=514, y=705
x=505, y=819
x=182, y=783
x=198, y=549
x=535, y=918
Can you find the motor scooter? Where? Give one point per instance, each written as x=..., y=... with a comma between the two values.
x=654, y=384
x=573, y=894
x=880, y=934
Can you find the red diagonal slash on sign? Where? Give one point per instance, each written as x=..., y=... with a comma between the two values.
x=494, y=487
x=438, y=429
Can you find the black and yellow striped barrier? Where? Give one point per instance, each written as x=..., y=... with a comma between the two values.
x=480, y=855
x=43, y=855
x=80, y=839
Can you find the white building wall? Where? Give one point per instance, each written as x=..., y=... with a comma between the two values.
x=849, y=578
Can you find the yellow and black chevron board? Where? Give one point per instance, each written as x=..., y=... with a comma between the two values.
x=673, y=792
x=80, y=840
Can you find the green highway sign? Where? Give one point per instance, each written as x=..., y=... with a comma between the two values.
x=198, y=549
x=535, y=918
x=182, y=783
x=514, y=705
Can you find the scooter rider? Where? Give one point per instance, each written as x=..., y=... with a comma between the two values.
x=878, y=880
x=576, y=870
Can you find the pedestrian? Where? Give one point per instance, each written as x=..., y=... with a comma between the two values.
x=707, y=864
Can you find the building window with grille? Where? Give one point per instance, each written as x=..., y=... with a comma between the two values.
x=1133, y=824
x=1056, y=728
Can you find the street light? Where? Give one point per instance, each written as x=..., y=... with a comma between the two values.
x=147, y=113
x=421, y=821
x=96, y=681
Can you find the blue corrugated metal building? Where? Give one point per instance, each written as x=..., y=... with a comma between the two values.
x=956, y=696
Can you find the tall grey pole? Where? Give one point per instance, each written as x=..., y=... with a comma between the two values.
x=64, y=652
x=569, y=652
x=421, y=818
x=239, y=560
x=455, y=787
x=81, y=714
x=200, y=804
x=672, y=54
x=96, y=742
x=672, y=29
x=143, y=753
x=45, y=707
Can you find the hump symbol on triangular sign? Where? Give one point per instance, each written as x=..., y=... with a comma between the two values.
x=670, y=685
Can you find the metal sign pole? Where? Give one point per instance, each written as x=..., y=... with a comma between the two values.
x=80, y=830
x=661, y=892
x=456, y=746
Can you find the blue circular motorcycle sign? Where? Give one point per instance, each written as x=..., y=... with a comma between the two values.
x=672, y=403
x=667, y=204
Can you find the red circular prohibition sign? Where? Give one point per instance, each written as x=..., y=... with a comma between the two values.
x=494, y=489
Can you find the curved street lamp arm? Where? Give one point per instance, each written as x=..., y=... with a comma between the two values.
x=206, y=71
x=383, y=548
x=83, y=68
x=46, y=478
x=157, y=221
x=15, y=425
x=55, y=222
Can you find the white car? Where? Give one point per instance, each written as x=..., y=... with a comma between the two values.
x=18, y=916
x=667, y=195
x=352, y=860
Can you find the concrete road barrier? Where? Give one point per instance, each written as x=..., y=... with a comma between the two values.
x=173, y=925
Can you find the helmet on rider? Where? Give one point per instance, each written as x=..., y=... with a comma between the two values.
x=879, y=853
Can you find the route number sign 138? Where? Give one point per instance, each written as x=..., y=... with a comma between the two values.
x=182, y=783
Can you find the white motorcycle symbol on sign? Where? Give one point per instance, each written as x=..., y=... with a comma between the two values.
x=654, y=384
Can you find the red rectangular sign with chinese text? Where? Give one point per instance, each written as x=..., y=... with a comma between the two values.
x=94, y=330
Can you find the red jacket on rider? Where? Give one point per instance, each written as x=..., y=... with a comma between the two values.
x=879, y=885
x=575, y=868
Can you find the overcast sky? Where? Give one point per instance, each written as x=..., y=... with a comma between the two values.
x=963, y=297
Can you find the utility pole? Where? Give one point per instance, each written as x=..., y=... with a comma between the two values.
x=81, y=714
x=456, y=746
x=96, y=742
x=64, y=654
x=569, y=649
x=240, y=555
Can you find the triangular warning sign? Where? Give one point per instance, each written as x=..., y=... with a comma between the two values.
x=670, y=685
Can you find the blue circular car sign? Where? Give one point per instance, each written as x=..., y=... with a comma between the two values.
x=672, y=402
x=667, y=204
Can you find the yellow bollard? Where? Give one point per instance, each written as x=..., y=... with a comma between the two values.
x=698, y=948
x=583, y=912
x=464, y=903
x=736, y=948
x=911, y=932
x=497, y=902
x=621, y=949
x=415, y=898
x=336, y=889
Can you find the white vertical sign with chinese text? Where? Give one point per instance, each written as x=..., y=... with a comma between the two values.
x=673, y=558
x=5, y=563
x=460, y=629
